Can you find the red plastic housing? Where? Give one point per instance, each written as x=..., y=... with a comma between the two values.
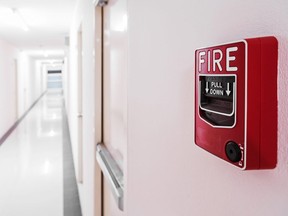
x=236, y=101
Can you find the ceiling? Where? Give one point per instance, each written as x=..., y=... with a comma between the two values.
x=48, y=22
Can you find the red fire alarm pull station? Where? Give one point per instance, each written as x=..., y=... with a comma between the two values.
x=236, y=102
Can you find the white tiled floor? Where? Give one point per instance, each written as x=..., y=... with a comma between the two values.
x=31, y=162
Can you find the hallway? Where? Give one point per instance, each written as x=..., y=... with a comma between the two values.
x=31, y=162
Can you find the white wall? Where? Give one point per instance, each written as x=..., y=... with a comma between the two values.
x=8, y=55
x=28, y=84
x=72, y=89
x=23, y=63
x=44, y=77
x=167, y=173
x=83, y=15
x=65, y=80
x=29, y=81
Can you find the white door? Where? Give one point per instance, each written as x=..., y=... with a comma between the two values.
x=79, y=109
x=114, y=91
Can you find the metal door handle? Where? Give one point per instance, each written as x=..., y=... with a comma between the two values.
x=112, y=173
x=100, y=3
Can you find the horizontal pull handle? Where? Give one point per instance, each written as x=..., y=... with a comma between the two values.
x=79, y=115
x=112, y=173
x=100, y=3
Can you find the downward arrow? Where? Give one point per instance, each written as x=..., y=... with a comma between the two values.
x=228, y=90
x=206, y=89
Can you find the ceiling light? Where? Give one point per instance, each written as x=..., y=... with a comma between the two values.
x=20, y=19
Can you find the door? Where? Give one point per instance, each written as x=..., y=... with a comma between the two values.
x=16, y=88
x=79, y=107
x=111, y=54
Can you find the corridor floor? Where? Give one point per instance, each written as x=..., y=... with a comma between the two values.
x=31, y=163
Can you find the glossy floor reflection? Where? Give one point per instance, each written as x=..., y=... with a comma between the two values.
x=31, y=162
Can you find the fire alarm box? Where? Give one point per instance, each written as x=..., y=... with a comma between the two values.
x=236, y=102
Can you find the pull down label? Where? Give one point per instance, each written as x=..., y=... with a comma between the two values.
x=218, y=86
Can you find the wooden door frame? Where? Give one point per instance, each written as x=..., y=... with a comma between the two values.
x=98, y=68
